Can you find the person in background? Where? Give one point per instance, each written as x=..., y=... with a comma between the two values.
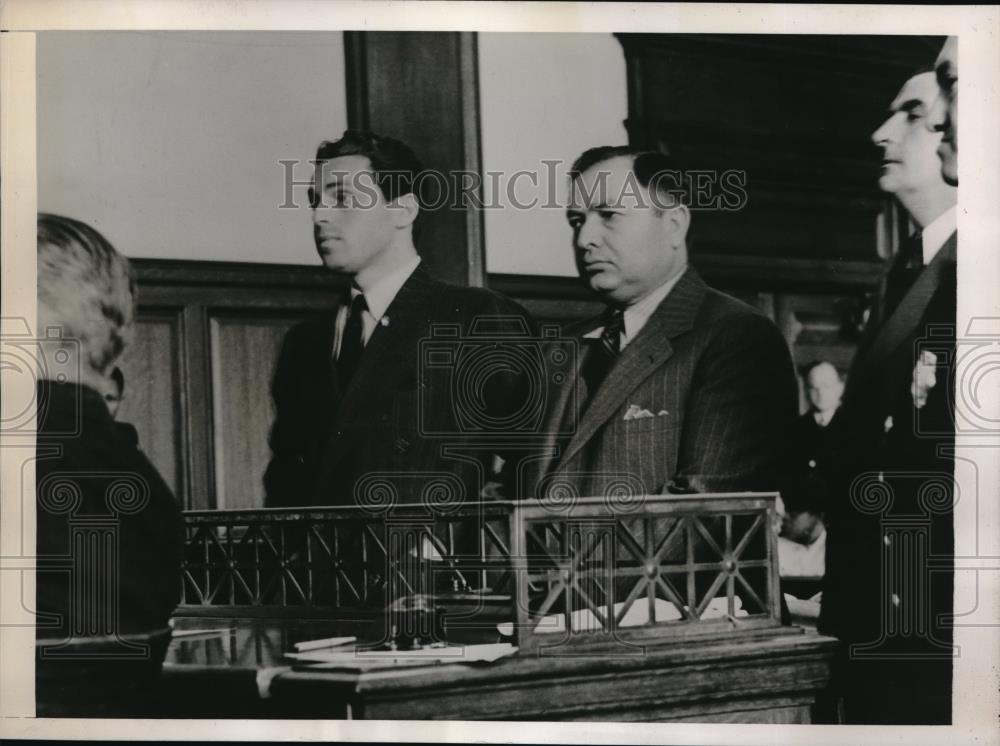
x=99, y=649
x=819, y=431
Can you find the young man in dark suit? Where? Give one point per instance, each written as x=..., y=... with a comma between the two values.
x=362, y=418
x=892, y=516
x=681, y=388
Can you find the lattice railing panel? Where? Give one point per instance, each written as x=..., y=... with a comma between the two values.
x=669, y=565
x=290, y=561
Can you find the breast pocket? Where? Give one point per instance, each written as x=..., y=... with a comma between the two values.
x=644, y=425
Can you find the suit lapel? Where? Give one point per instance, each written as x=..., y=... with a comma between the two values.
x=907, y=315
x=643, y=355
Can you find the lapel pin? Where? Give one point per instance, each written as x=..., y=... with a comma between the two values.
x=384, y=321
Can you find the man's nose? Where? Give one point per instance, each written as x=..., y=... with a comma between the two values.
x=881, y=135
x=322, y=214
x=937, y=117
x=587, y=234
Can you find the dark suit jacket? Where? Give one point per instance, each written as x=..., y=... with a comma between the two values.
x=911, y=449
x=718, y=379
x=385, y=436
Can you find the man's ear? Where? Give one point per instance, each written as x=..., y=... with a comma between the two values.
x=405, y=209
x=677, y=220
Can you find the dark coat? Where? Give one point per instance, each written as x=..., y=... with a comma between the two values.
x=409, y=424
x=893, y=509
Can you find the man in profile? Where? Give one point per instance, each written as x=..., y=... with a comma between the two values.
x=900, y=433
x=356, y=409
x=681, y=388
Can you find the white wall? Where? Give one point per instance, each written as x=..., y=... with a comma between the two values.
x=169, y=142
x=544, y=97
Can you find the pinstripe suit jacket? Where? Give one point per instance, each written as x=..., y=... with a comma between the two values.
x=718, y=379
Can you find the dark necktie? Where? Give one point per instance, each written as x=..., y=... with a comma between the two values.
x=352, y=343
x=602, y=355
x=904, y=271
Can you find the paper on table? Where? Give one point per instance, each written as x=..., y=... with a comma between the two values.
x=583, y=620
x=329, y=642
x=352, y=658
x=200, y=632
x=807, y=609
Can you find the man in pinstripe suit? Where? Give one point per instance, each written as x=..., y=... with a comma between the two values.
x=681, y=388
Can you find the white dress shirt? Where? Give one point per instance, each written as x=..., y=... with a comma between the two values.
x=636, y=315
x=379, y=297
x=937, y=232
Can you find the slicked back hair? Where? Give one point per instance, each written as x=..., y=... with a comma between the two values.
x=88, y=287
x=395, y=166
x=649, y=167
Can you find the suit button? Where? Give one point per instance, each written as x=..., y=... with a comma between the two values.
x=887, y=425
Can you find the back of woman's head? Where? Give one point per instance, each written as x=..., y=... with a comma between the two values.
x=86, y=290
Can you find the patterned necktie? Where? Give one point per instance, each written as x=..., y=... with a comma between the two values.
x=903, y=273
x=352, y=343
x=603, y=355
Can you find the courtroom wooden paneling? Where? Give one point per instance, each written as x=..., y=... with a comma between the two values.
x=152, y=368
x=793, y=114
x=200, y=394
x=244, y=353
x=423, y=88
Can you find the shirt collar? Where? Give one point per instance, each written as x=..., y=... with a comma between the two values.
x=383, y=291
x=938, y=232
x=636, y=315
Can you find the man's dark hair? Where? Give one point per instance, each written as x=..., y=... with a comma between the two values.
x=649, y=167
x=394, y=164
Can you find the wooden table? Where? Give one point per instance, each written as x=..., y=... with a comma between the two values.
x=769, y=676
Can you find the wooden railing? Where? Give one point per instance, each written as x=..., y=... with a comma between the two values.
x=595, y=571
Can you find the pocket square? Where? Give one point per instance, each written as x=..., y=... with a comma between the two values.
x=635, y=412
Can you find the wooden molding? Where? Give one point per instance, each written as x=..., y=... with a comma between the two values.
x=400, y=84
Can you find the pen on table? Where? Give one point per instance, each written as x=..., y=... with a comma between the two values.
x=330, y=642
